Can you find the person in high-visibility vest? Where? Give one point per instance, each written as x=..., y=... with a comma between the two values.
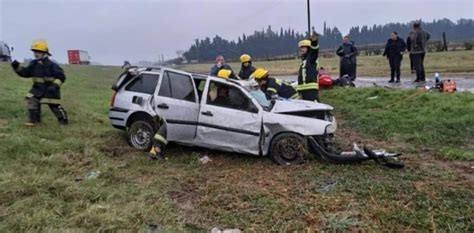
x=47, y=79
x=308, y=86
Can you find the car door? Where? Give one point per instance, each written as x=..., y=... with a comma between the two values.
x=177, y=102
x=229, y=119
x=132, y=97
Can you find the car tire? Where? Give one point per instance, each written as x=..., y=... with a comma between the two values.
x=140, y=135
x=288, y=149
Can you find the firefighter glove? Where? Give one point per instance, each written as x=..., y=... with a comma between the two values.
x=15, y=64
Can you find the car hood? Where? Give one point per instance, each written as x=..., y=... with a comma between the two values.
x=286, y=106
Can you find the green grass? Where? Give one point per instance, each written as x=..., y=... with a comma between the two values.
x=43, y=170
x=457, y=63
x=436, y=122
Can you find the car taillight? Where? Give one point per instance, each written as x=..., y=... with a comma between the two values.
x=112, y=102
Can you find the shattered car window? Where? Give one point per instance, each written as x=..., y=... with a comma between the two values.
x=261, y=98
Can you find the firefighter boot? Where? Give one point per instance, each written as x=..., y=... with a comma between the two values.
x=60, y=113
x=34, y=118
x=156, y=153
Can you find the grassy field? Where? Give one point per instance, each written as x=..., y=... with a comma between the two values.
x=43, y=169
x=458, y=63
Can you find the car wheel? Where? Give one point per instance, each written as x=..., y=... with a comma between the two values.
x=288, y=149
x=140, y=135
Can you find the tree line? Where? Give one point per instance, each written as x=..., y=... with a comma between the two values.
x=271, y=43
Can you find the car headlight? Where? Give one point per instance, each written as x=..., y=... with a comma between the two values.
x=328, y=116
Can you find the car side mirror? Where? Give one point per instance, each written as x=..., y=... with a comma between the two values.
x=137, y=100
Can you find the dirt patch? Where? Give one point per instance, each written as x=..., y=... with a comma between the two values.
x=3, y=123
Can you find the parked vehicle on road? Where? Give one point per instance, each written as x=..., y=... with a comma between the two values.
x=196, y=114
x=78, y=57
x=5, y=52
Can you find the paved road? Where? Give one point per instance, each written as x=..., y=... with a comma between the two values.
x=463, y=83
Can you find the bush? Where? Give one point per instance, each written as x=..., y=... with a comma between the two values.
x=468, y=45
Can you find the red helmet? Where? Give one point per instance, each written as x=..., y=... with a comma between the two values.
x=325, y=81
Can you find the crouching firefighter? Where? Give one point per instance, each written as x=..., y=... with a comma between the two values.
x=159, y=141
x=274, y=88
x=47, y=79
x=308, y=84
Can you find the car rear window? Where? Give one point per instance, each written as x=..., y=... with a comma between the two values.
x=144, y=83
x=177, y=86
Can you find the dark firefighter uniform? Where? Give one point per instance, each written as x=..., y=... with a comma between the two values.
x=308, y=86
x=274, y=88
x=246, y=69
x=159, y=141
x=47, y=78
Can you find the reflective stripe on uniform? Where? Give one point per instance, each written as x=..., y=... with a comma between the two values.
x=296, y=96
x=29, y=95
x=307, y=86
x=161, y=139
x=315, y=47
x=58, y=82
x=48, y=79
x=50, y=101
x=272, y=90
x=38, y=80
x=303, y=71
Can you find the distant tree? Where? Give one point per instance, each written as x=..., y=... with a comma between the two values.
x=268, y=43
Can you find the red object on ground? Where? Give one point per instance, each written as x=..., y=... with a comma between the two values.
x=79, y=57
x=325, y=81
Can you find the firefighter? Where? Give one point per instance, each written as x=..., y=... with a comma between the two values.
x=126, y=65
x=274, y=88
x=159, y=141
x=308, y=86
x=246, y=69
x=47, y=79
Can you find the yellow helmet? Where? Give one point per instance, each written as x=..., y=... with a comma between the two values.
x=245, y=58
x=304, y=43
x=224, y=73
x=40, y=46
x=260, y=74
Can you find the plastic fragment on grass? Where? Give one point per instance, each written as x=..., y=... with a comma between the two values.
x=205, y=160
x=217, y=230
x=92, y=175
x=327, y=186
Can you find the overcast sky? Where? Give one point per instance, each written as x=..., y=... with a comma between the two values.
x=113, y=31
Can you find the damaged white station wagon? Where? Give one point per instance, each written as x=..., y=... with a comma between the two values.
x=243, y=121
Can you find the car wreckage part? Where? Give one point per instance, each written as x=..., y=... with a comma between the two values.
x=356, y=156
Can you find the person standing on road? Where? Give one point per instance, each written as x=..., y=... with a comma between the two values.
x=348, y=54
x=394, y=52
x=308, y=78
x=47, y=79
x=418, y=44
x=220, y=64
x=412, y=67
x=247, y=69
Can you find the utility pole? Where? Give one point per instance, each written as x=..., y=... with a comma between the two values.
x=309, y=19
